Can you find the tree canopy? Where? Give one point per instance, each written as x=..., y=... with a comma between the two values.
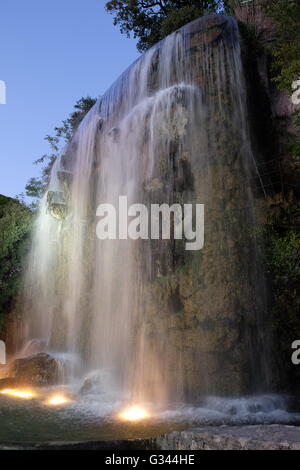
x=286, y=47
x=15, y=225
x=151, y=21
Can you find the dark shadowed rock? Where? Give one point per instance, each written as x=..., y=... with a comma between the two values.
x=40, y=370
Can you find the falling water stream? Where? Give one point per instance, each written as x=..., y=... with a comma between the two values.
x=145, y=321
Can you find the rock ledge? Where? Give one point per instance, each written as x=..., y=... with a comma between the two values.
x=257, y=437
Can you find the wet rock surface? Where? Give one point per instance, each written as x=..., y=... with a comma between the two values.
x=260, y=437
x=39, y=370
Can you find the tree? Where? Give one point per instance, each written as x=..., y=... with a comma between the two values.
x=286, y=47
x=15, y=225
x=150, y=21
x=36, y=187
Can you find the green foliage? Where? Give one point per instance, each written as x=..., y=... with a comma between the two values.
x=284, y=257
x=293, y=144
x=150, y=21
x=282, y=251
x=70, y=125
x=178, y=18
x=15, y=224
x=36, y=187
x=286, y=47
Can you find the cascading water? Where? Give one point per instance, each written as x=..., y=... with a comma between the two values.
x=166, y=324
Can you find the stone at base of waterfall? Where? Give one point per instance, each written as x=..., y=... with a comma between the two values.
x=256, y=437
x=40, y=370
x=97, y=382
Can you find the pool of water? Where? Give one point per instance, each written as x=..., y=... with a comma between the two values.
x=96, y=418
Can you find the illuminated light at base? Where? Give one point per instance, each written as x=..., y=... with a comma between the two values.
x=23, y=394
x=134, y=413
x=57, y=400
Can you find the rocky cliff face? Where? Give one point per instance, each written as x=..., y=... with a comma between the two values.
x=210, y=306
x=275, y=132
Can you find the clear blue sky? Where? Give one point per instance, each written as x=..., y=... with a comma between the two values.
x=52, y=52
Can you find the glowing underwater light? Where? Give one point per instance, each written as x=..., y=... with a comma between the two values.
x=135, y=413
x=57, y=400
x=23, y=394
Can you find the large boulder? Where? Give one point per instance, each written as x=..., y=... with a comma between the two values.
x=39, y=370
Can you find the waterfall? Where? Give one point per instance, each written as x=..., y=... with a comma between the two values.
x=166, y=323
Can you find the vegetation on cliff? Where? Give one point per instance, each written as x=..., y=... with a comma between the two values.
x=286, y=46
x=15, y=225
x=150, y=21
x=270, y=30
x=283, y=264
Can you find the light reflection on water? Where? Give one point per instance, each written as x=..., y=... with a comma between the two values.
x=94, y=418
